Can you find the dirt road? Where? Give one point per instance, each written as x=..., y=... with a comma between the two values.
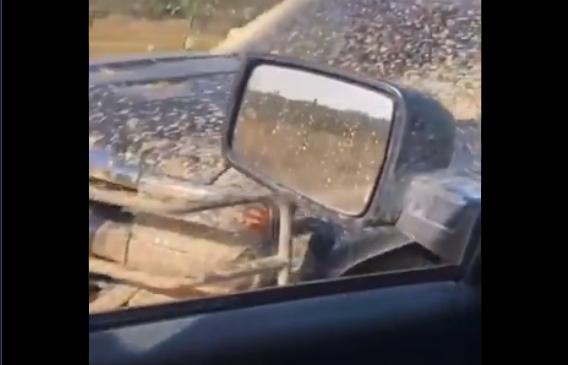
x=121, y=35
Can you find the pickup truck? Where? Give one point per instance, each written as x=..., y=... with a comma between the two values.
x=170, y=219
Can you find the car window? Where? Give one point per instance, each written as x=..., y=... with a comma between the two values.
x=160, y=72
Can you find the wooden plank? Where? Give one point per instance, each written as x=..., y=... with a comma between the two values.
x=165, y=284
x=146, y=204
x=112, y=299
x=110, y=240
x=144, y=298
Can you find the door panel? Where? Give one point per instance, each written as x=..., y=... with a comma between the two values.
x=434, y=323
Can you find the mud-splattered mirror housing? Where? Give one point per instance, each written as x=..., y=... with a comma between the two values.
x=421, y=140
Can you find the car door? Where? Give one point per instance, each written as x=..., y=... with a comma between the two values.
x=428, y=316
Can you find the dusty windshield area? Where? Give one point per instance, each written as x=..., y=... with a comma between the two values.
x=157, y=118
x=147, y=257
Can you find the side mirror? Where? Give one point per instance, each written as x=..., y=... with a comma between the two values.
x=333, y=141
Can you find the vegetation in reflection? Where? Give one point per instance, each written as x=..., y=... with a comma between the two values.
x=330, y=155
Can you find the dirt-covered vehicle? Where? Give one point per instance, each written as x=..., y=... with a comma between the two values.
x=171, y=218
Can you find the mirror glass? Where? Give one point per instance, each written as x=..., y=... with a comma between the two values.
x=322, y=137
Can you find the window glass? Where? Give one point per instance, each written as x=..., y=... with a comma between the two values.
x=160, y=73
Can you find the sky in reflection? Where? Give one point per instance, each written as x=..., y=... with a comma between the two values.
x=336, y=94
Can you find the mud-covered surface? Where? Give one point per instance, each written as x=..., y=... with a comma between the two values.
x=174, y=125
x=143, y=259
x=433, y=46
x=166, y=114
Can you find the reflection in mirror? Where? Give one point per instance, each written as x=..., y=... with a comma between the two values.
x=322, y=137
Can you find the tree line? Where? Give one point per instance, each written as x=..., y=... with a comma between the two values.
x=272, y=106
